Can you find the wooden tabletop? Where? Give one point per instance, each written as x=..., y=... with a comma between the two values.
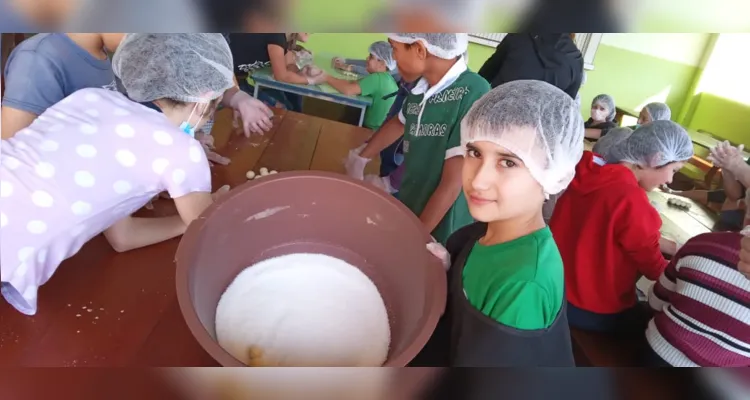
x=682, y=225
x=709, y=141
x=102, y=308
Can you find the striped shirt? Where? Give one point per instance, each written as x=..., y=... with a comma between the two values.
x=702, y=305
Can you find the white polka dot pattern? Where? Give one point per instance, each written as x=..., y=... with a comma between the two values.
x=84, y=165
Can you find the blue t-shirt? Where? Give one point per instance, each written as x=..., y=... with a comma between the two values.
x=47, y=68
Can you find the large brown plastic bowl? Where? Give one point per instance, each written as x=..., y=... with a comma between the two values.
x=314, y=212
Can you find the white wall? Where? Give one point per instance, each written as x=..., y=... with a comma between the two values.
x=684, y=48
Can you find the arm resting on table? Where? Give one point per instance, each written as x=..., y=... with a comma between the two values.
x=445, y=195
x=349, y=88
x=384, y=137
x=133, y=233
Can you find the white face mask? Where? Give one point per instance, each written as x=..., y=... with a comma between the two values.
x=598, y=115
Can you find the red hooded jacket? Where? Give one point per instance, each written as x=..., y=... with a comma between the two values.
x=608, y=235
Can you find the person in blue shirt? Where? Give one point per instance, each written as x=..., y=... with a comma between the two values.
x=48, y=67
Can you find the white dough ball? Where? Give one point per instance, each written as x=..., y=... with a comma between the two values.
x=264, y=171
x=273, y=172
x=250, y=174
x=303, y=310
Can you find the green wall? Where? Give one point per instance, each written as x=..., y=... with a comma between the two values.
x=633, y=78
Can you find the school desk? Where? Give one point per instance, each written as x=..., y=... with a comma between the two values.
x=103, y=308
x=681, y=225
x=264, y=78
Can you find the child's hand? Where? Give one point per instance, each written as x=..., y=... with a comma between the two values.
x=220, y=192
x=355, y=164
x=437, y=250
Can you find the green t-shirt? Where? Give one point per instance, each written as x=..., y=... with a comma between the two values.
x=520, y=283
x=425, y=151
x=378, y=85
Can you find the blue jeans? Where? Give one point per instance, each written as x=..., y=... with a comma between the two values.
x=273, y=97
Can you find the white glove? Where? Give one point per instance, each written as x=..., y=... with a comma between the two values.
x=437, y=250
x=381, y=182
x=255, y=116
x=726, y=156
x=314, y=75
x=355, y=165
x=337, y=62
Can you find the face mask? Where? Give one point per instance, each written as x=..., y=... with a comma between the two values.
x=598, y=115
x=185, y=125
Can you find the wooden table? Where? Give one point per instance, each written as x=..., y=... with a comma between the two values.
x=102, y=308
x=682, y=225
x=264, y=77
x=709, y=141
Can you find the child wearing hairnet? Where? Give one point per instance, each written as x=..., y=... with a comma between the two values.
x=654, y=112
x=429, y=124
x=602, y=117
x=96, y=157
x=507, y=291
x=378, y=84
x=607, y=230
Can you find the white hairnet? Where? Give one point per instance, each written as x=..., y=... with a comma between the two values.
x=658, y=111
x=383, y=51
x=608, y=102
x=652, y=145
x=552, y=151
x=443, y=45
x=187, y=67
x=613, y=138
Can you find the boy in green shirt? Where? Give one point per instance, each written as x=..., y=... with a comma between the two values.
x=378, y=84
x=523, y=140
x=429, y=124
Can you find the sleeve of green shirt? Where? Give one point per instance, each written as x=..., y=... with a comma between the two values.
x=526, y=306
x=454, y=137
x=370, y=84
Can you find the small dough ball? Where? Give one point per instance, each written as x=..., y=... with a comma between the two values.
x=273, y=172
x=264, y=171
x=250, y=175
x=258, y=176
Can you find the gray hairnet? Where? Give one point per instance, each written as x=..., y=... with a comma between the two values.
x=612, y=139
x=187, y=67
x=658, y=111
x=652, y=145
x=552, y=151
x=383, y=51
x=443, y=45
x=608, y=102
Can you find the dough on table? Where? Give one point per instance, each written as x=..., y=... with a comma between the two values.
x=250, y=175
x=303, y=310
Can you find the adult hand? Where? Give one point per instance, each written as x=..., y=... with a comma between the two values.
x=314, y=75
x=437, y=250
x=255, y=116
x=355, y=164
x=728, y=157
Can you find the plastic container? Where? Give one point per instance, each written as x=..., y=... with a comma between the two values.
x=314, y=212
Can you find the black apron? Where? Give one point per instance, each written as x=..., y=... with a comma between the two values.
x=476, y=340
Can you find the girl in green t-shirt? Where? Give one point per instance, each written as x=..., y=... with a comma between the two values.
x=523, y=140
